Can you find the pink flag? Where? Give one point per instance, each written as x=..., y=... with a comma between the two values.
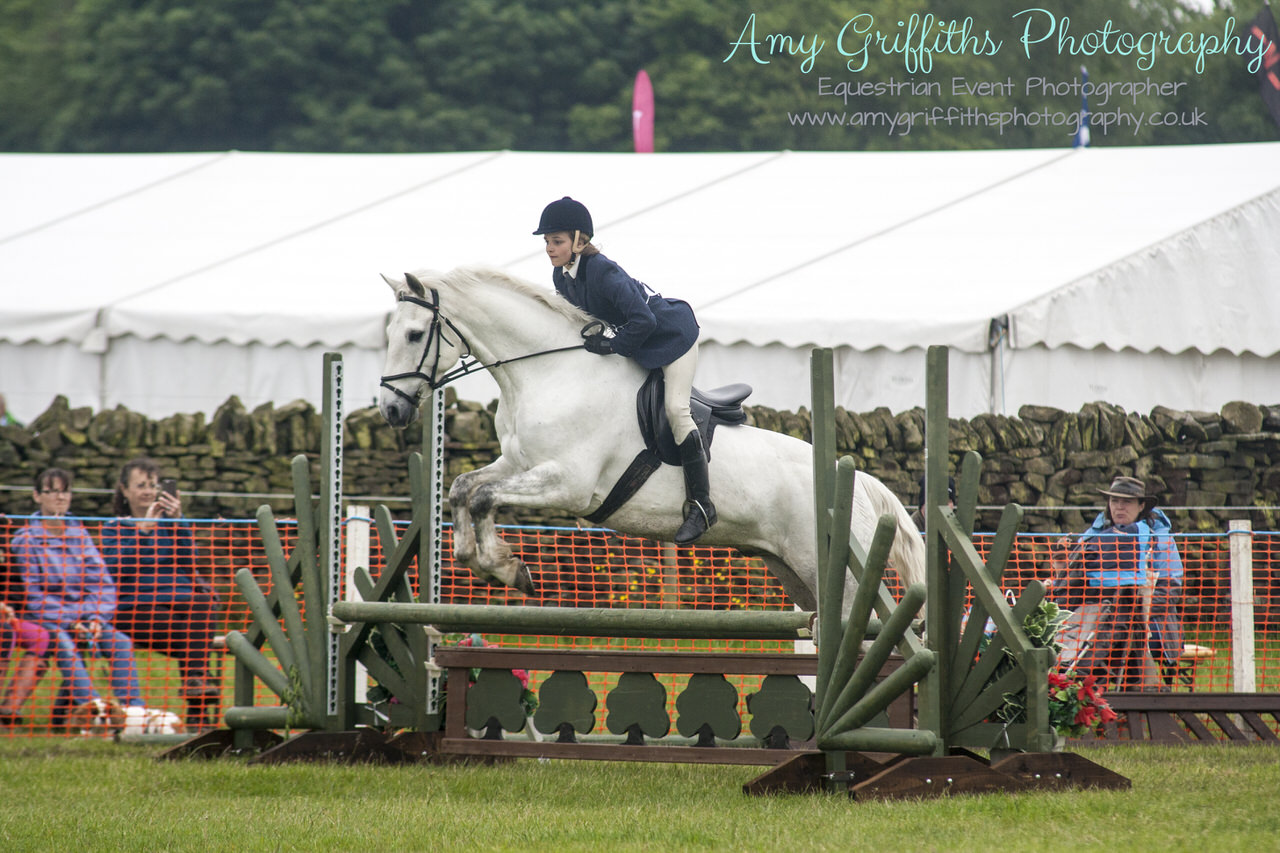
x=642, y=114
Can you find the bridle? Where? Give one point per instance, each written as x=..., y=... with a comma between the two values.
x=464, y=368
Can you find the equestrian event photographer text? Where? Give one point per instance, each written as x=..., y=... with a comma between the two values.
x=918, y=38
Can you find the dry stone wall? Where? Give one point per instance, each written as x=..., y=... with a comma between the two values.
x=1048, y=460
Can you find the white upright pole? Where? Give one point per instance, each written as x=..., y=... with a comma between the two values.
x=357, y=554
x=1243, y=660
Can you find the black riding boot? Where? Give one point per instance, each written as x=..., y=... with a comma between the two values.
x=699, y=512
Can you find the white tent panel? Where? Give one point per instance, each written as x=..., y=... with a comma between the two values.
x=1208, y=287
x=53, y=187
x=865, y=380
x=773, y=222
x=146, y=375
x=939, y=278
x=1069, y=376
x=169, y=282
x=32, y=374
x=320, y=283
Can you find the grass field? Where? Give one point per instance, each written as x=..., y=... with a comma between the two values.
x=94, y=795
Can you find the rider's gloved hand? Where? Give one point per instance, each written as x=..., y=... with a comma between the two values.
x=598, y=344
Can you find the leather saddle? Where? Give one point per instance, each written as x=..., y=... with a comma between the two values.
x=710, y=409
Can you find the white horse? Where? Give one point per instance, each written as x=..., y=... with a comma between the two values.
x=566, y=422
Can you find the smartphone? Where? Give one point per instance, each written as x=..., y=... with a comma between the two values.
x=170, y=485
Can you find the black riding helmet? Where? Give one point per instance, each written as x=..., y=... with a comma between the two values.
x=565, y=215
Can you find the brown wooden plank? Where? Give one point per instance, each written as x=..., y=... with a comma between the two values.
x=1260, y=727
x=738, y=663
x=1197, y=727
x=1060, y=770
x=1163, y=727
x=616, y=752
x=1227, y=725
x=361, y=746
x=800, y=774
x=1262, y=703
x=935, y=776
x=455, y=713
x=216, y=743
x=805, y=773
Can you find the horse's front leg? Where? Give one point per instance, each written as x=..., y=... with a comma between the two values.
x=464, y=534
x=539, y=487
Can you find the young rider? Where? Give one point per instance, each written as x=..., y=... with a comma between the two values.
x=655, y=331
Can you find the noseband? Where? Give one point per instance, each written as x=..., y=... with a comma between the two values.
x=464, y=368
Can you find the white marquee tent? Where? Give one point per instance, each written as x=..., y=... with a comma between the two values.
x=1140, y=276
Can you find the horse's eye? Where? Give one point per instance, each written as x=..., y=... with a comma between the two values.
x=415, y=336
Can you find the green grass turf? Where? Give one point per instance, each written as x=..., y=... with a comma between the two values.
x=94, y=795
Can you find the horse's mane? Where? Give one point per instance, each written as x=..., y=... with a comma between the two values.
x=477, y=276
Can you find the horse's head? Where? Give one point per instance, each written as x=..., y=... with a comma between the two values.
x=421, y=345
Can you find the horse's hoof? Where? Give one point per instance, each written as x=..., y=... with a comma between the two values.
x=524, y=581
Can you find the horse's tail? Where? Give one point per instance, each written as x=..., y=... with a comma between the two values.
x=907, y=556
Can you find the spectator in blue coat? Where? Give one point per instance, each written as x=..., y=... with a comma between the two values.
x=164, y=602
x=654, y=331
x=70, y=594
x=1127, y=545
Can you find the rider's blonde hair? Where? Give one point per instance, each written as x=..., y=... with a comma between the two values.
x=588, y=249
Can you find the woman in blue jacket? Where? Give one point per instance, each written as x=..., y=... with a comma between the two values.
x=655, y=331
x=1128, y=543
x=163, y=602
x=69, y=592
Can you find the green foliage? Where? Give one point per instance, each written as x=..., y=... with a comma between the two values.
x=406, y=75
x=1076, y=704
x=296, y=699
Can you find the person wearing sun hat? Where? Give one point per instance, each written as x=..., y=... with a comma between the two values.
x=1129, y=541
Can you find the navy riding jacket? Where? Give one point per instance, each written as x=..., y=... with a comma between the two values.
x=653, y=330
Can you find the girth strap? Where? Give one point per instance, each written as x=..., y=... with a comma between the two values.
x=637, y=473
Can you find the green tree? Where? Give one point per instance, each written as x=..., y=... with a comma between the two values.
x=32, y=63
x=166, y=75
x=408, y=75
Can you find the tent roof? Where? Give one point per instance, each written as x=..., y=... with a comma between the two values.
x=1147, y=248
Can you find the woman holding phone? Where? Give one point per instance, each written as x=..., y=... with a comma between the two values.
x=164, y=603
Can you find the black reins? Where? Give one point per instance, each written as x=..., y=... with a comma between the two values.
x=464, y=368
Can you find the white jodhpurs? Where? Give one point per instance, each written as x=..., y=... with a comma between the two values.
x=678, y=384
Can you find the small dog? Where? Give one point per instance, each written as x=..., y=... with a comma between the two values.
x=96, y=718
x=151, y=721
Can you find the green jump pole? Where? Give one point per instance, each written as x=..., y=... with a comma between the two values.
x=584, y=622
x=258, y=717
x=935, y=688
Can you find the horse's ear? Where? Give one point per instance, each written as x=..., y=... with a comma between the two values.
x=397, y=286
x=415, y=285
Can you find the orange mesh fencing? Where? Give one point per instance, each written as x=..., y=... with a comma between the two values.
x=594, y=568
x=1203, y=609
x=173, y=604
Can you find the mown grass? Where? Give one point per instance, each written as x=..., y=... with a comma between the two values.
x=99, y=796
